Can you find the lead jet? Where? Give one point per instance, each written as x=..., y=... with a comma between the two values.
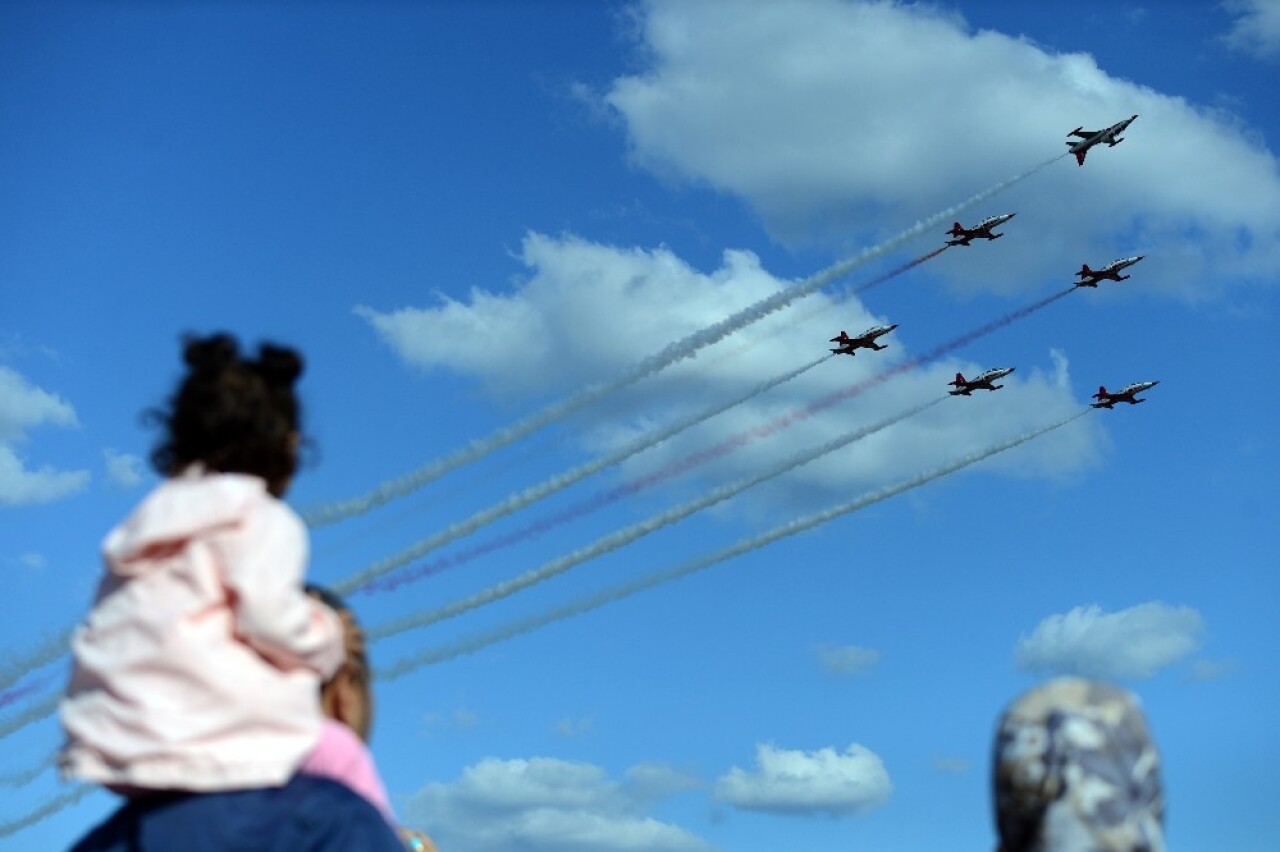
x=964, y=387
x=1110, y=272
x=1111, y=136
x=847, y=345
x=981, y=231
x=1107, y=400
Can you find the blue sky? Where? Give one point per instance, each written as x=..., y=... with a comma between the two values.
x=464, y=212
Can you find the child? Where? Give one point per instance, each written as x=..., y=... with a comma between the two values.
x=198, y=667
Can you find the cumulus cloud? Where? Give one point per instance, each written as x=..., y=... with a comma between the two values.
x=818, y=783
x=549, y=804
x=24, y=407
x=590, y=311
x=1256, y=28
x=123, y=469
x=1132, y=643
x=832, y=117
x=846, y=660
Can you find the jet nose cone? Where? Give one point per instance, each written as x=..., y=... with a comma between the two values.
x=892, y=327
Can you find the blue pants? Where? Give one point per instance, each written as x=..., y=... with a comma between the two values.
x=306, y=815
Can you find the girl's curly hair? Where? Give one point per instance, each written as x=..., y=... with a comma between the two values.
x=233, y=414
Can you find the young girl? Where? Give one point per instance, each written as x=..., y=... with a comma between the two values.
x=198, y=667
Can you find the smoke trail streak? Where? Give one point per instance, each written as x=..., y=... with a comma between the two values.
x=798, y=317
x=26, y=776
x=48, y=809
x=13, y=668
x=523, y=498
x=677, y=351
x=12, y=695
x=481, y=640
x=625, y=536
x=40, y=710
x=687, y=463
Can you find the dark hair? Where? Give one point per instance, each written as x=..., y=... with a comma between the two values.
x=233, y=414
x=327, y=596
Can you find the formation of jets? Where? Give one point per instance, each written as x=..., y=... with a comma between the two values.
x=847, y=345
x=964, y=387
x=1107, y=400
x=981, y=231
x=1110, y=272
x=985, y=230
x=1110, y=136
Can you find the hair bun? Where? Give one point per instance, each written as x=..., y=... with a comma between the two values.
x=211, y=354
x=279, y=365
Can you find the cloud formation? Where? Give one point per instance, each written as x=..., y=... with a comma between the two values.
x=799, y=783
x=832, y=118
x=1133, y=643
x=846, y=660
x=24, y=407
x=549, y=804
x=123, y=469
x=1256, y=29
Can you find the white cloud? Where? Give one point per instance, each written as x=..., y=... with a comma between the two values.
x=823, y=782
x=1132, y=643
x=951, y=765
x=123, y=469
x=839, y=120
x=23, y=407
x=548, y=804
x=29, y=561
x=847, y=660
x=1210, y=670
x=461, y=719
x=588, y=312
x=1256, y=30
x=573, y=727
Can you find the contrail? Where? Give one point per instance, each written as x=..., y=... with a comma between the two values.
x=617, y=539
x=550, y=486
x=12, y=695
x=26, y=776
x=683, y=465
x=677, y=351
x=474, y=643
x=40, y=710
x=14, y=667
x=49, y=808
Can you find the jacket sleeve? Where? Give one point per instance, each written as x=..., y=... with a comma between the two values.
x=263, y=562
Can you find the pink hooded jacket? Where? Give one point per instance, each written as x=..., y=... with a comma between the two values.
x=199, y=665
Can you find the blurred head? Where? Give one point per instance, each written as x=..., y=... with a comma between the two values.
x=233, y=414
x=1075, y=770
x=347, y=697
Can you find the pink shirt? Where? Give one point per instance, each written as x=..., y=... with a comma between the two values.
x=343, y=756
x=199, y=666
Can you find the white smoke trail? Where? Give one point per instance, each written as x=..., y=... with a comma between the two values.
x=484, y=639
x=48, y=809
x=26, y=776
x=625, y=536
x=40, y=710
x=15, y=666
x=550, y=486
x=674, y=352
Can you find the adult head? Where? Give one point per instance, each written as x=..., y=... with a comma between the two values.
x=1075, y=770
x=347, y=696
x=233, y=414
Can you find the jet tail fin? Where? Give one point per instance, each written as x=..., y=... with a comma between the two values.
x=959, y=380
x=1102, y=392
x=956, y=230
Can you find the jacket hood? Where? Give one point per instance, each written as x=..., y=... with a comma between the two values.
x=179, y=509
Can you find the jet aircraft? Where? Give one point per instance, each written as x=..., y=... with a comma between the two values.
x=1107, y=400
x=1111, y=136
x=1110, y=272
x=867, y=340
x=963, y=386
x=981, y=231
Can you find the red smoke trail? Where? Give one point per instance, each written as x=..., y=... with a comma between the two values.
x=701, y=457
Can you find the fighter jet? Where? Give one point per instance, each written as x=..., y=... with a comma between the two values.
x=1111, y=136
x=984, y=382
x=1110, y=272
x=981, y=231
x=867, y=340
x=1107, y=400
